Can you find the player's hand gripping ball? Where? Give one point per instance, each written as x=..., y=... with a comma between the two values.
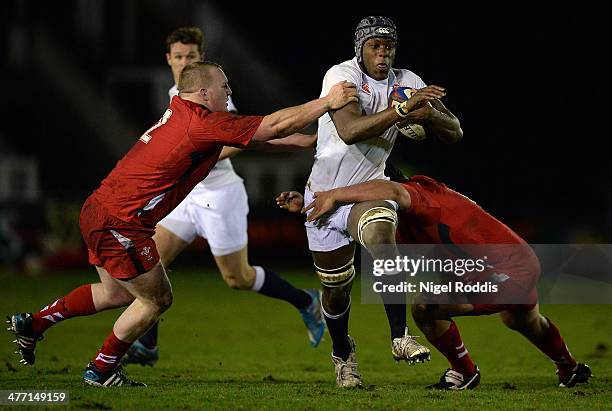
x=413, y=131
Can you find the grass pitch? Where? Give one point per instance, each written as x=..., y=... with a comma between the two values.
x=226, y=349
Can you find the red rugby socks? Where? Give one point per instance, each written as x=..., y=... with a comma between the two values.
x=454, y=350
x=111, y=352
x=553, y=345
x=78, y=302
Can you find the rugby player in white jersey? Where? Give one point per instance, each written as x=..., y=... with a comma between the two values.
x=353, y=145
x=205, y=212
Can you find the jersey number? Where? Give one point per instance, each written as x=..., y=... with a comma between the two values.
x=146, y=137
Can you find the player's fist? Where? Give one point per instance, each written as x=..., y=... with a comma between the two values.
x=419, y=99
x=340, y=95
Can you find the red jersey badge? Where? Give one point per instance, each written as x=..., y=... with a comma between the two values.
x=366, y=88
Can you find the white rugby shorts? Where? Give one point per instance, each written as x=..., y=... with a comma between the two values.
x=219, y=215
x=331, y=231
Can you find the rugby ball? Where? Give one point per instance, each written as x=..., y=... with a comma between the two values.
x=413, y=131
x=397, y=97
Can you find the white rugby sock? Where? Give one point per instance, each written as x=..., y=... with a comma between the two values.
x=260, y=277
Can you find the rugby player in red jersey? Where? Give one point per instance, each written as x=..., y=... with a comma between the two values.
x=118, y=220
x=431, y=213
x=203, y=214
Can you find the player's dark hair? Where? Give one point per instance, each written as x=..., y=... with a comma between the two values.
x=394, y=173
x=186, y=35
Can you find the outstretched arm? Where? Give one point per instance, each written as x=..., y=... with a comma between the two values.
x=290, y=120
x=294, y=142
x=327, y=201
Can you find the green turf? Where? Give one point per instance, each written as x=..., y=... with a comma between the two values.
x=225, y=349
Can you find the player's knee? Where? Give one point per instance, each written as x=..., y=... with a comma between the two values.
x=512, y=321
x=421, y=313
x=378, y=234
x=336, y=300
x=164, y=301
x=419, y=309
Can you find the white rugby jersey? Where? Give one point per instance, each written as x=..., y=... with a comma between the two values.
x=338, y=164
x=223, y=172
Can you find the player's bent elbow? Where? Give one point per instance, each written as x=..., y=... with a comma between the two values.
x=347, y=136
x=452, y=137
x=458, y=136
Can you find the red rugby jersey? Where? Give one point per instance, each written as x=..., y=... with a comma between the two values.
x=170, y=159
x=440, y=215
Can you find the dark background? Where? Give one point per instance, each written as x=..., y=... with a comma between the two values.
x=83, y=79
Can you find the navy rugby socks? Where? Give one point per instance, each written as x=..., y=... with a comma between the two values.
x=337, y=325
x=395, y=305
x=396, y=315
x=149, y=340
x=272, y=285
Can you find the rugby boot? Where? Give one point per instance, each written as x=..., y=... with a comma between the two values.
x=347, y=375
x=454, y=380
x=313, y=319
x=408, y=349
x=26, y=339
x=579, y=375
x=114, y=378
x=139, y=354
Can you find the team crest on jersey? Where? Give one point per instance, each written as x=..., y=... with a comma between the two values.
x=366, y=88
x=146, y=252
